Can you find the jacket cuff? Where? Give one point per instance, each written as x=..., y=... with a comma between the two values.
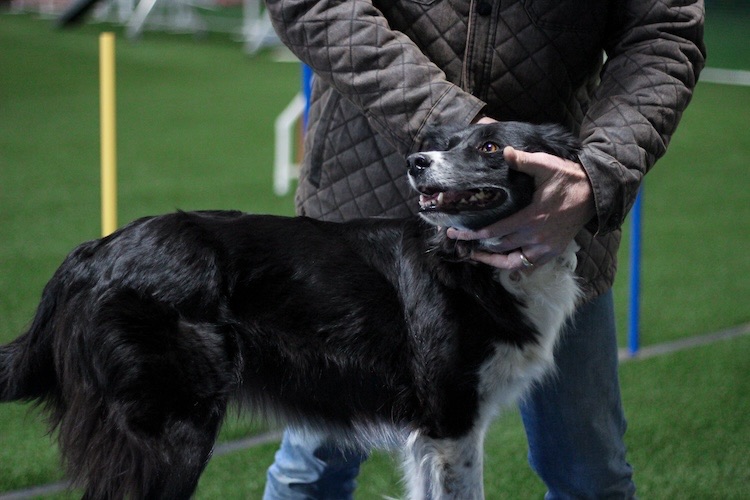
x=615, y=188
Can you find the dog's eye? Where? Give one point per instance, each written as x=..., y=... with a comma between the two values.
x=489, y=147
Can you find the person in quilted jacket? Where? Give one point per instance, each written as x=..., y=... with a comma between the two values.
x=618, y=74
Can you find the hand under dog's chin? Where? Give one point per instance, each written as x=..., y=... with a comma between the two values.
x=467, y=221
x=460, y=250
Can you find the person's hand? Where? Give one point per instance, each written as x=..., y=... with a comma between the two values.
x=480, y=119
x=563, y=203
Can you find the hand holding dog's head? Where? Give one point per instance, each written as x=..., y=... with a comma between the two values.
x=463, y=178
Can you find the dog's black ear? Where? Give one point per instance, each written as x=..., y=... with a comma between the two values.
x=555, y=140
x=437, y=137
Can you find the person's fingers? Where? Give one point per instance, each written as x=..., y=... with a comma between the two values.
x=504, y=244
x=541, y=166
x=485, y=120
x=516, y=260
x=522, y=259
x=499, y=229
x=511, y=156
x=497, y=260
x=522, y=161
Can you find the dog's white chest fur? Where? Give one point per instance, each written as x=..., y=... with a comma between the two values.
x=452, y=469
x=549, y=295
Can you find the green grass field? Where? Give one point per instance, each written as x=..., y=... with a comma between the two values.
x=195, y=131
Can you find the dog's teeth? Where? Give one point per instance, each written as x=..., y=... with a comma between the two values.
x=440, y=198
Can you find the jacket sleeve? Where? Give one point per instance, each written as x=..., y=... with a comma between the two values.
x=654, y=55
x=349, y=45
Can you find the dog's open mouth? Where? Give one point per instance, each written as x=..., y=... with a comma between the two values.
x=458, y=201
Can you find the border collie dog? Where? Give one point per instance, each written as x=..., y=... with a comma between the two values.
x=377, y=332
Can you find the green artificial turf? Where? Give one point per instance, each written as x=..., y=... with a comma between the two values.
x=696, y=224
x=689, y=429
x=195, y=131
x=727, y=36
x=688, y=437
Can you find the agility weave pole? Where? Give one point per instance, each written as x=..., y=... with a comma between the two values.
x=108, y=132
x=634, y=304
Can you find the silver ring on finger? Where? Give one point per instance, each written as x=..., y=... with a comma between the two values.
x=525, y=261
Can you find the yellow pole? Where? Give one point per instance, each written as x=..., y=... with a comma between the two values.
x=108, y=132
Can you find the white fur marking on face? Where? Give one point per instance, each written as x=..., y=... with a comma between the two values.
x=441, y=172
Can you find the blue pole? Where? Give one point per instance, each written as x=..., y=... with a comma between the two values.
x=307, y=76
x=634, y=311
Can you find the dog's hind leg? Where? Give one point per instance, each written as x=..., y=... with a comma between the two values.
x=164, y=466
x=145, y=424
x=444, y=469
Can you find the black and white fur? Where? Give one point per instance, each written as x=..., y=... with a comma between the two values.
x=376, y=332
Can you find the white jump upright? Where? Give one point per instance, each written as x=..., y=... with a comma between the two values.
x=285, y=167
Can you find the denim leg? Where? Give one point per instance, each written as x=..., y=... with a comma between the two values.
x=307, y=467
x=574, y=421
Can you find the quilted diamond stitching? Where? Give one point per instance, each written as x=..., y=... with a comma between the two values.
x=366, y=178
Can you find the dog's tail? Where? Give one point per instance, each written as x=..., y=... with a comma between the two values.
x=136, y=393
x=27, y=370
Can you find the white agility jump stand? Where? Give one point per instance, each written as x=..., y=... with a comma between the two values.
x=285, y=168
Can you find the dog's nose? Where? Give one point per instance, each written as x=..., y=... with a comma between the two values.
x=417, y=162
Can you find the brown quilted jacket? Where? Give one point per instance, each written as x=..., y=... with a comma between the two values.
x=618, y=73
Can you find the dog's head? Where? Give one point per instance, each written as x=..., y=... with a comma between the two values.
x=463, y=179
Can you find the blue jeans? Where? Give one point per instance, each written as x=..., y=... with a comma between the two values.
x=574, y=425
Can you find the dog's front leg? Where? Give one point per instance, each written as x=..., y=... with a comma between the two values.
x=444, y=469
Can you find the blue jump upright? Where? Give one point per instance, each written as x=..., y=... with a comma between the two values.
x=634, y=309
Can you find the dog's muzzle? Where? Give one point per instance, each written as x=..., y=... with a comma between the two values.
x=417, y=163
